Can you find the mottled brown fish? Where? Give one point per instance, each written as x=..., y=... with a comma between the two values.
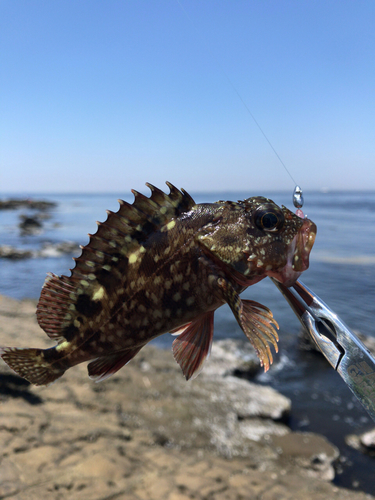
x=165, y=264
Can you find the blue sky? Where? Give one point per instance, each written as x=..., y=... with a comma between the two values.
x=106, y=95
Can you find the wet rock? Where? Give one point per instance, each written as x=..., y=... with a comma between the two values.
x=58, y=249
x=47, y=250
x=368, y=440
x=146, y=433
x=30, y=226
x=234, y=413
x=246, y=399
x=26, y=203
x=364, y=442
x=232, y=357
x=9, y=252
x=312, y=452
x=231, y=413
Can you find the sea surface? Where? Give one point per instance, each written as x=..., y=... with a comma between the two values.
x=342, y=273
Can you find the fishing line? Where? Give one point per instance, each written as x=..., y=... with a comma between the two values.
x=297, y=194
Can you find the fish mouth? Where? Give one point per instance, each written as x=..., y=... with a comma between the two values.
x=298, y=254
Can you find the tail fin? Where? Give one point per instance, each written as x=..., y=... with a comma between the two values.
x=31, y=365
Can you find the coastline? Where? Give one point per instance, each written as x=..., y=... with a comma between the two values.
x=146, y=433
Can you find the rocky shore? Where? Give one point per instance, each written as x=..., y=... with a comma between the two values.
x=26, y=203
x=47, y=249
x=147, y=434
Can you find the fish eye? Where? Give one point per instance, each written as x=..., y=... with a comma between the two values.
x=268, y=220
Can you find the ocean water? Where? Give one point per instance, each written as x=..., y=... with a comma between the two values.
x=342, y=273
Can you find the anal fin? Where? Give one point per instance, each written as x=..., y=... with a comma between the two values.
x=193, y=345
x=105, y=366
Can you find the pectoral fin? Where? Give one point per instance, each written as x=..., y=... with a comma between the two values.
x=256, y=321
x=193, y=344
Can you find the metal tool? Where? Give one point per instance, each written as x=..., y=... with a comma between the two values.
x=342, y=348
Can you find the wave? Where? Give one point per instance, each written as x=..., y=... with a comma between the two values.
x=358, y=260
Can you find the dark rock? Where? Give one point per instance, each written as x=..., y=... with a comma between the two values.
x=47, y=250
x=30, y=225
x=9, y=252
x=16, y=203
x=232, y=357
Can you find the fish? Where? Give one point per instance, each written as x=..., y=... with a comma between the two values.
x=165, y=264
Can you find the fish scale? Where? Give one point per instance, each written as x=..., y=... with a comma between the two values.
x=165, y=264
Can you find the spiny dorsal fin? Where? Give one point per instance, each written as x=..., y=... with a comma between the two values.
x=68, y=305
x=124, y=231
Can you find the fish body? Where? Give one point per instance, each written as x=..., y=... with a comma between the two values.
x=165, y=264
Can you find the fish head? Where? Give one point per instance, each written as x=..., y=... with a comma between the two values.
x=279, y=242
x=255, y=238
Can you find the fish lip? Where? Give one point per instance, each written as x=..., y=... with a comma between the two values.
x=298, y=255
x=304, y=242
